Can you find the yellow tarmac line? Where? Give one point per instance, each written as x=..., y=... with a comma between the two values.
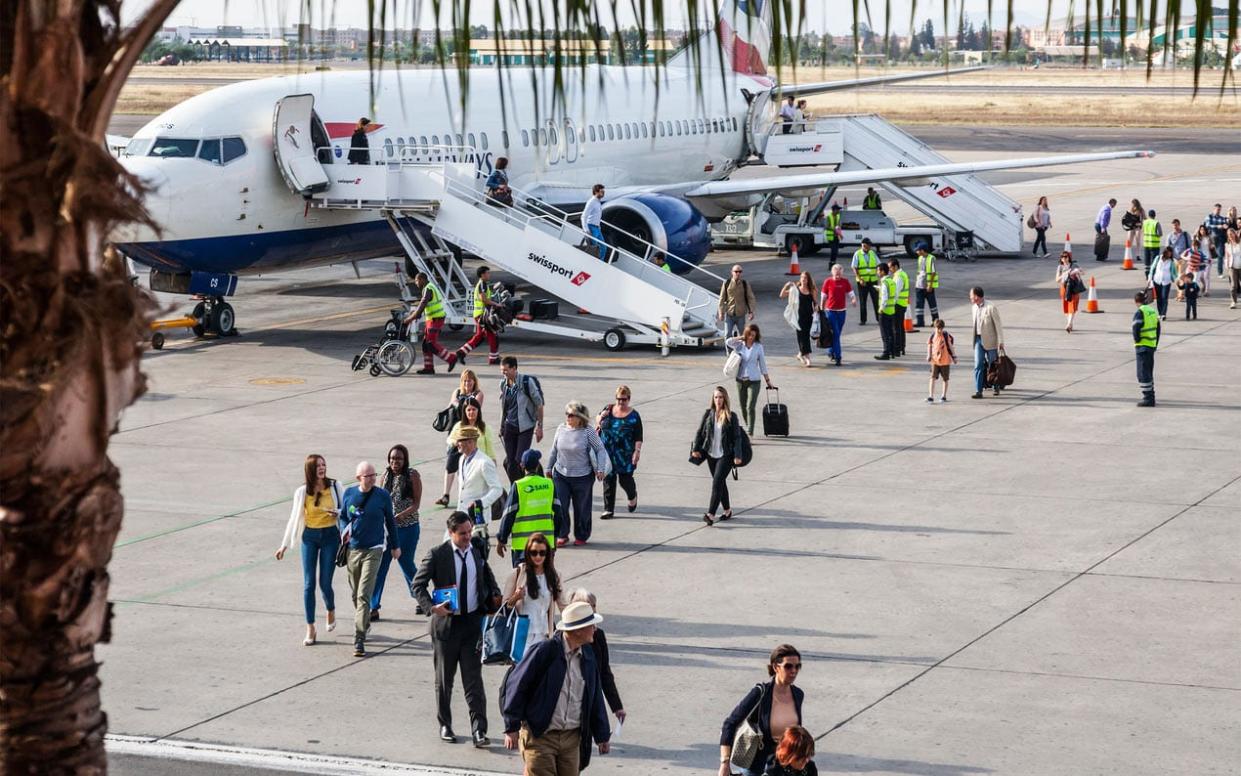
x=323, y=318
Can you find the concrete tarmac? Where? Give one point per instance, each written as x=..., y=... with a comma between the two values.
x=1044, y=582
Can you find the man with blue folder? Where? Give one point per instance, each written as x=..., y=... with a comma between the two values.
x=458, y=565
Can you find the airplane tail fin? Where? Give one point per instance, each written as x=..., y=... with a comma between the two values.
x=744, y=30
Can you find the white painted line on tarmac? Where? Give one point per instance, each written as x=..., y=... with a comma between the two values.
x=275, y=759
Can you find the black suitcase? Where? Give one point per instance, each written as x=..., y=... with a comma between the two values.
x=775, y=416
x=544, y=310
x=1102, y=245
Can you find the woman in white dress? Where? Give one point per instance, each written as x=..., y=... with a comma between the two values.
x=533, y=589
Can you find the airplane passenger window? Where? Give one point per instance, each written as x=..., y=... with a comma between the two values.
x=628, y=132
x=734, y=124
x=435, y=140
x=168, y=148
x=460, y=140
x=504, y=139
x=611, y=134
x=483, y=137
x=661, y=129
x=581, y=134
x=651, y=126
x=644, y=129
x=472, y=142
x=422, y=140
x=525, y=138
x=543, y=137
x=592, y=133
x=400, y=148
x=554, y=138
x=209, y=151
x=388, y=147
x=233, y=148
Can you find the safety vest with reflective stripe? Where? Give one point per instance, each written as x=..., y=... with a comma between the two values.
x=1150, y=233
x=871, y=202
x=866, y=264
x=902, y=298
x=833, y=223
x=889, y=307
x=434, y=310
x=1148, y=337
x=926, y=265
x=481, y=293
x=535, y=496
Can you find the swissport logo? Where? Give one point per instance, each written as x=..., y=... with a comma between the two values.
x=946, y=192
x=556, y=269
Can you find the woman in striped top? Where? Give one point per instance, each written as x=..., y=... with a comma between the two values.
x=577, y=459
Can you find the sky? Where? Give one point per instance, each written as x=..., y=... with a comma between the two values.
x=834, y=15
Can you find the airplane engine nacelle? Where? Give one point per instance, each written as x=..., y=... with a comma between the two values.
x=671, y=224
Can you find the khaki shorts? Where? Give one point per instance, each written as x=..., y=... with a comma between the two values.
x=940, y=371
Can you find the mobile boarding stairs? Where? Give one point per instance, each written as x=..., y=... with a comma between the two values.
x=976, y=215
x=433, y=196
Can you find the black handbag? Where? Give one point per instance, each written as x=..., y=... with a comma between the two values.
x=445, y=418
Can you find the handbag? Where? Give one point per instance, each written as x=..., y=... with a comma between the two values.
x=732, y=364
x=498, y=633
x=749, y=739
x=816, y=325
x=826, y=331
x=445, y=418
x=1030, y=222
x=1076, y=286
x=790, y=310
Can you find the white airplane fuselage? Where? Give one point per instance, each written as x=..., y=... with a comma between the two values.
x=614, y=127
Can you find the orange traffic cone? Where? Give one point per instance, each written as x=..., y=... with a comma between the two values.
x=909, y=320
x=1068, y=245
x=1092, y=298
x=1128, y=263
x=794, y=266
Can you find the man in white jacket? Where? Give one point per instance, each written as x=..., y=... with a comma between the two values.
x=478, y=483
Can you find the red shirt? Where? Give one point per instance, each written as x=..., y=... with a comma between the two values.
x=836, y=291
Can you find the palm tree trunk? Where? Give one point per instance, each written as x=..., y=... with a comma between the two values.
x=72, y=327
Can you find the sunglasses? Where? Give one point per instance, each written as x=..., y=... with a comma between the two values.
x=536, y=553
x=736, y=272
x=622, y=398
x=791, y=666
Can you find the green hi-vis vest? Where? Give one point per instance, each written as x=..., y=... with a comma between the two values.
x=481, y=293
x=871, y=202
x=535, y=496
x=926, y=265
x=1147, y=337
x=890, y=307
x=903, y=298
x=833, y=223
x=866, y=264
x=435, y=308
x=1150, y=233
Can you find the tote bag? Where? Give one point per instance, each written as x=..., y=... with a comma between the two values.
x=748, y=739
x=732, y=365
x=504, y=636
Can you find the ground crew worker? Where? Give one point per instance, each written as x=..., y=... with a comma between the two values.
x=901, y=277
x=1152, y=237
x=872, y=201
x=662, y=263
x=831, y=234
x=431, y=307
x=1146, y=331
x=482, y=300
x=925, y=283
x=887, y=313
x=865, y=262
x=532, y=507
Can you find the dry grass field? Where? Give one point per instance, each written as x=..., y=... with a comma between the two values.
x=1131, y=103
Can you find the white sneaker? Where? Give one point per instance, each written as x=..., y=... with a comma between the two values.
x=1232, y=306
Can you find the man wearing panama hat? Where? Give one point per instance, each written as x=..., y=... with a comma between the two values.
x=553, y=699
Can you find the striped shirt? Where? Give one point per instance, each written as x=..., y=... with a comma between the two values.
x=578, y=452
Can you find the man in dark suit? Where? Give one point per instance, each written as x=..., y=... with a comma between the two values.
x=456, y=632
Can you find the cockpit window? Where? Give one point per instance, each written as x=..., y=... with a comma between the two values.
x=169, y=147
x=138, y=146
x=233, y=148
x=210, y=150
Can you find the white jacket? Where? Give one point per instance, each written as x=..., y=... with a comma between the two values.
x=297, y=520
x=478, y=481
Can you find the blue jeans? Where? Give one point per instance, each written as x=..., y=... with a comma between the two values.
x=406, y=542
x=837, y=319
x=597, y=233
x=318, y=555
x=982, y=357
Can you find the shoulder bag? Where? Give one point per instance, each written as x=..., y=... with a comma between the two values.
x=748, y=739
x=732, y=364
x=342, y=552
x=790, y=309
x=446, y=417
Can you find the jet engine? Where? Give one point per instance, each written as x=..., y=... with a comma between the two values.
x=670, y=224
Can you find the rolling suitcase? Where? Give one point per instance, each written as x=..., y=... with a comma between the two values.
x=775, y=416
x=1102, y=245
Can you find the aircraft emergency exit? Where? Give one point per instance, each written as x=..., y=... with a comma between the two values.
x=235, y=171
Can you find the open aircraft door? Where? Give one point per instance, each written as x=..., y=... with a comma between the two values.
x=758, y=121
x=293, y=136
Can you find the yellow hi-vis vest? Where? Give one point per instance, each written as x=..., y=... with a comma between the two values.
x=434, y=310
x=535, y=496
x=1150, y=233
x=903, y=298
x=481, y=293
x=926, y=265
x=871, y=202
x=1147, y=337
x=833, y=223
x=889, y=308
x=866, y=264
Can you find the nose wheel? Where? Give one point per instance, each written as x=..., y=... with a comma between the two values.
x=214, y=316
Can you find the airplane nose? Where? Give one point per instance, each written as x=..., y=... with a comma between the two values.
x=156, y=200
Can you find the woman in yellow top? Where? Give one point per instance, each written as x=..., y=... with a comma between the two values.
x=316, y=504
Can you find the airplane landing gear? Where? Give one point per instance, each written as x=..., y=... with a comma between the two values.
x=214, y=316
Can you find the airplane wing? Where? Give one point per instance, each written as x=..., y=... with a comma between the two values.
x=910, y=175
x=805, y=90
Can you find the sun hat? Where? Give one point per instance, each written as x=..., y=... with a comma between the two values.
x=464, y=432
x=577, y=615
x=578, y=409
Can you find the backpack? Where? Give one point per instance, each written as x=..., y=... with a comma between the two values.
x=525, y=386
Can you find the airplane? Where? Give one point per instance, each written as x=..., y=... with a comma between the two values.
x=665, y=151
